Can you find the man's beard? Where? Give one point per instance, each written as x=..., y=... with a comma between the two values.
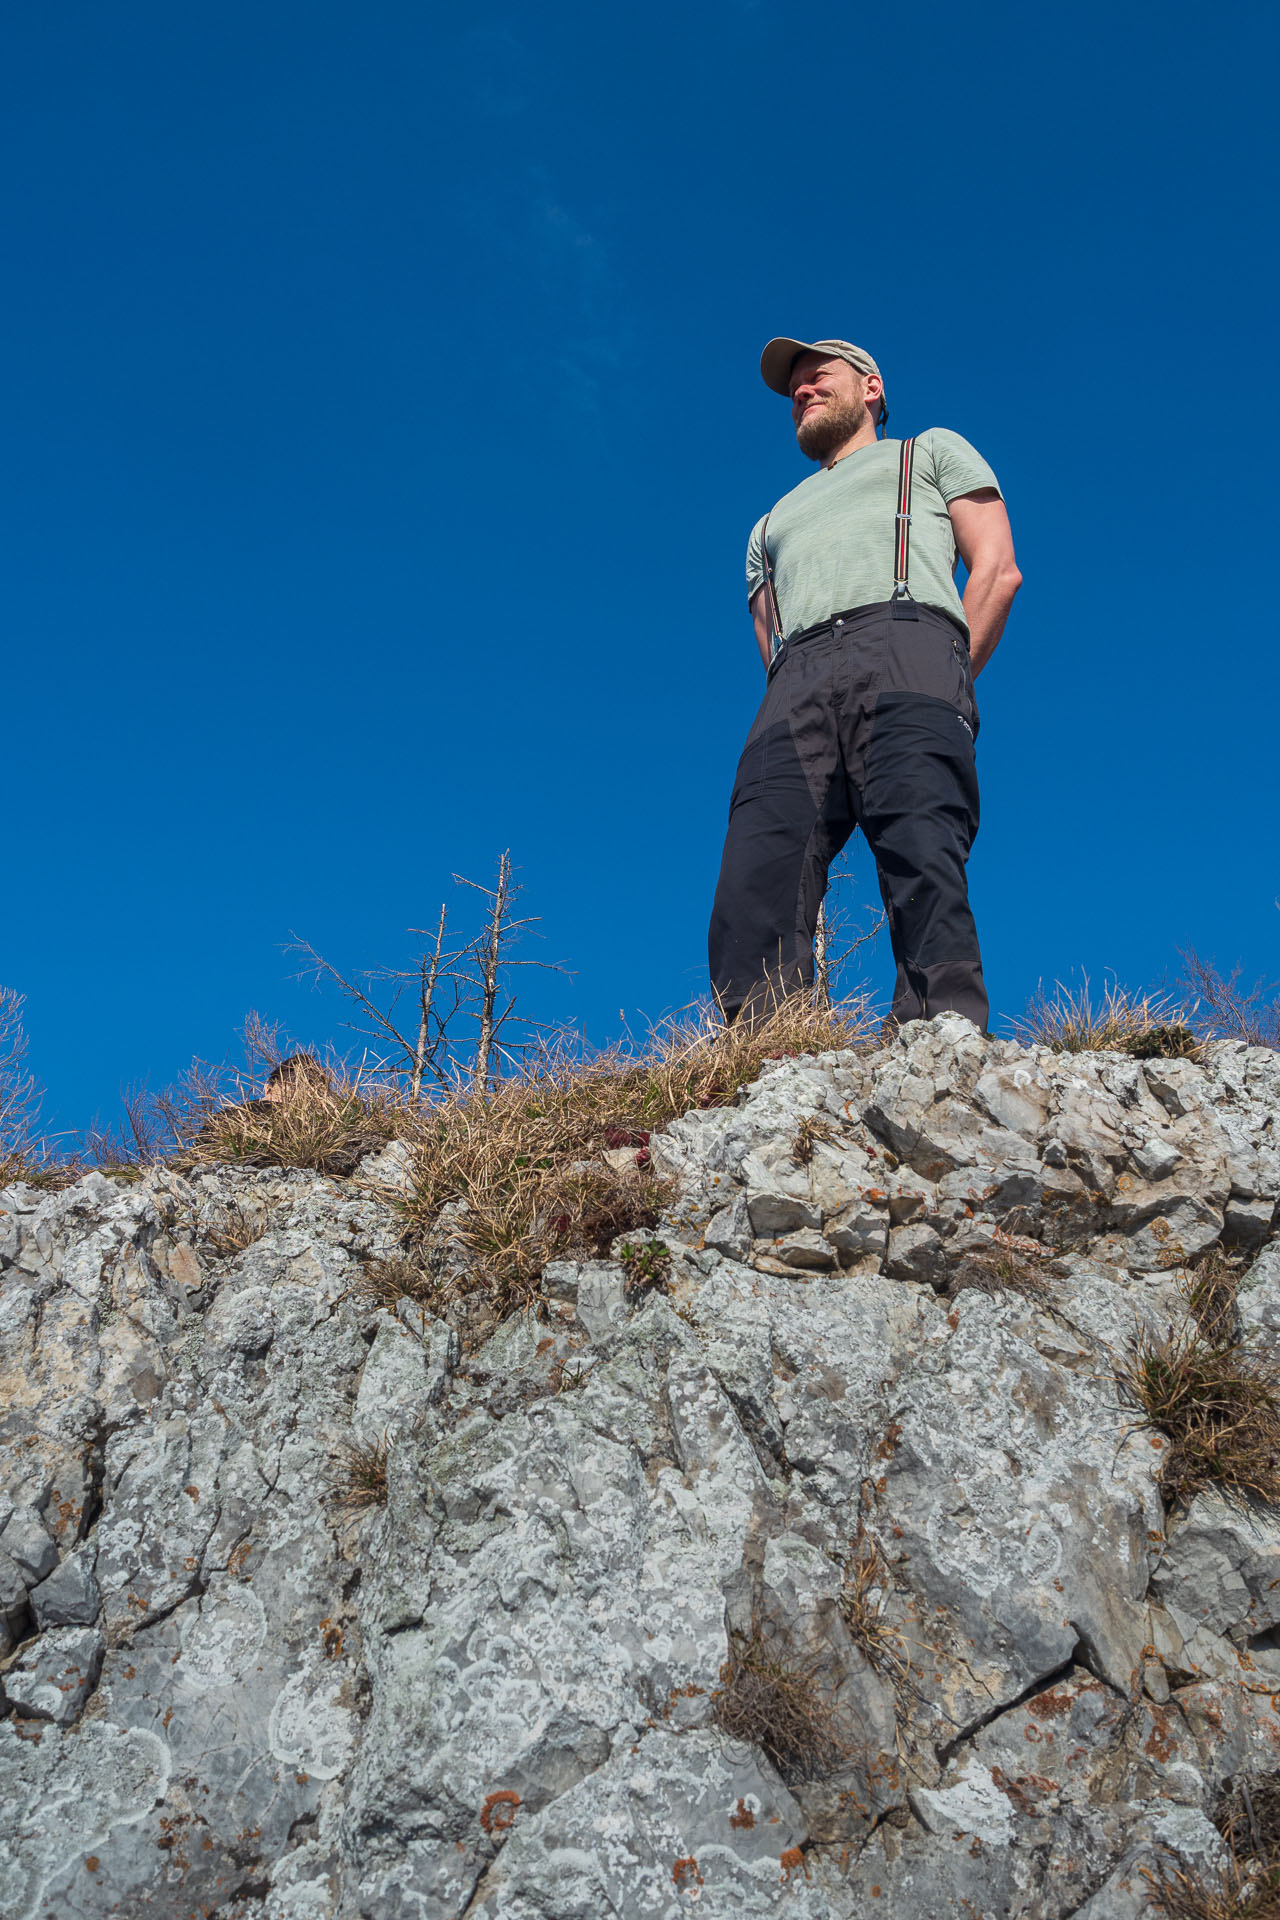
x=829, y=426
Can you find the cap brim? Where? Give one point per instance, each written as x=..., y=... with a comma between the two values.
x=777, y=361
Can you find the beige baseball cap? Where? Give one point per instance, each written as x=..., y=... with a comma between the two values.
x=779, y=357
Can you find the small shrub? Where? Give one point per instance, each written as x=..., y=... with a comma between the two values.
x=387, y=1282
x=777, y=1704
x=811, y=1130
x=232, y=1230
x=1219, y=1405
x=1146, y=1026
x=1229, y=1009
x=362, y=1475
x=645, y=1267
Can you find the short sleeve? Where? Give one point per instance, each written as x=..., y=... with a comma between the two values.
x=958, y=467
x=755, y=559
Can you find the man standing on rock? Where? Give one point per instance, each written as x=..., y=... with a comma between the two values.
x=868, y=718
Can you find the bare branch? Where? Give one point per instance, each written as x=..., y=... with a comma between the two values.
x=318, y=966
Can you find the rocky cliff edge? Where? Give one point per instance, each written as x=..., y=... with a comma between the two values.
x=820, y=1568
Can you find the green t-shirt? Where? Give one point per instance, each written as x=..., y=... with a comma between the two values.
x=831, y=539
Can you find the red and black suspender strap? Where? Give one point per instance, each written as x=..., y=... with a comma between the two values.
x=904, y=607
x=901, y=601
x=775, y=635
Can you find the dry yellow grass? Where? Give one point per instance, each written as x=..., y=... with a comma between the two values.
x=1219, y=1403
x=329, y=1126
x=863, y=1592
x=1147, y=1026
x=1248, y=1888
x=522, y=1165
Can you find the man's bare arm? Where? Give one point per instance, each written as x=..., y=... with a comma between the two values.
x=762, y=623
x=985, y=542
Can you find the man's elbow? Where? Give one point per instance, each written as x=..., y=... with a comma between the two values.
x=1008, y=578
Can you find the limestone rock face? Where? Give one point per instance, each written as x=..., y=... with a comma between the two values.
x=847, y=1439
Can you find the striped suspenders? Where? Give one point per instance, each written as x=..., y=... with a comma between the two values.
x=901, y=603
x=776, y=642
x=904, y=607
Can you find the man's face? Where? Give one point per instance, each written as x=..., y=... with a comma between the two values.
x=826, y=404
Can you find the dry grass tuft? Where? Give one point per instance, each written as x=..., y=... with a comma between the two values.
x=863, y=1593
x=1212, y=1287
x=362, y=1475
x=387, y=1282
x=1219, y=1404
x=1146, y=1026
x=1248, y=1818
x=811, y=1130
x=1010, y=1265
x=233, y=1230
x=329, y=1127
x=777, y=1704
x=520, y=1165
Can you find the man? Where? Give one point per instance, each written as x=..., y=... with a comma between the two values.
x=868, y=718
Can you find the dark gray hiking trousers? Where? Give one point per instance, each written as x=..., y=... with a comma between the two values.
x=867, y=721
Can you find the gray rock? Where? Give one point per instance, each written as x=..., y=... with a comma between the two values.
x=27, y=1544
x=52, y=1678
x=69, y=1597
x=496, y=1685
x=1221, y=1569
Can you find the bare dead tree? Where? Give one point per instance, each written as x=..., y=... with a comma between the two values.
x=490, y=956
x=822, y=958
x=428, y=975
x=837, y=936
x=434, y=969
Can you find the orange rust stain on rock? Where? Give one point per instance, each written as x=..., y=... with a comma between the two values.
x=685, y=1873
x=1051, y=1705
x=333, y=1637
x=790, y=1859
x=499, y=1810
x=194, y=1492
x=92, y=1863
x=742, y=1816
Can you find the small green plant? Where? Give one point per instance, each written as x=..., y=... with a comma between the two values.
x=1146, y=1026
x=1218, y=1402
x=645, y=1266
x=775, y=1702
x=362, y=1475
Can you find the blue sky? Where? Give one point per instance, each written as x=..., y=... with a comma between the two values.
x=382, y=431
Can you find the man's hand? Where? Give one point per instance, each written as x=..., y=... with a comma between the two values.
x=985, y=542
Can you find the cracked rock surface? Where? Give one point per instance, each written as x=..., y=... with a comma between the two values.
x=867, y=1422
